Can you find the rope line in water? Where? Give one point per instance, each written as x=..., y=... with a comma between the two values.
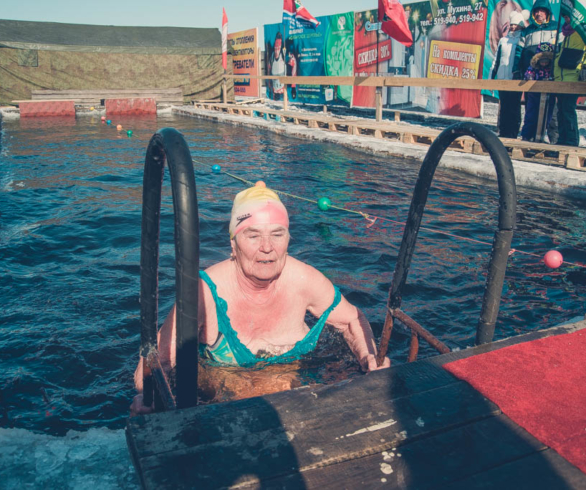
x=372, y=218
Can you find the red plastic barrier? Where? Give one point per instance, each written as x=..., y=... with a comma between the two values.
x=131, y=107
x=47, y=108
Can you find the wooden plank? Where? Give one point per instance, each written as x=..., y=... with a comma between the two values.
x=171, y=95
x=428, y=463
x=392, y=81
x=323, y=434
x=296, y=432
x=399, y=381
x=456, y=83
x=541, y=118
x=543, y=470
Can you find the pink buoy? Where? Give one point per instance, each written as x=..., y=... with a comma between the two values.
x=260, y=183
x=553, y=259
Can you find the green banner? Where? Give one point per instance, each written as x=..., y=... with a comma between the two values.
x=576, y=11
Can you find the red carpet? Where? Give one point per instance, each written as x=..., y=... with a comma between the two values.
x=541, y=385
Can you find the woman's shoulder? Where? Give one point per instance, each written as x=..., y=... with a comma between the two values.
x=218, y=273
x=303, y=275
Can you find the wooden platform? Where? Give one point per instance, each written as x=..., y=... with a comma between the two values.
x=168, y=96
x=563, y=156
x=412, y=426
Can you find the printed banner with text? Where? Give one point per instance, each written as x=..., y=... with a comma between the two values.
x=372, y=51
x=325, y=50
x=245, y=60
x=448, y=43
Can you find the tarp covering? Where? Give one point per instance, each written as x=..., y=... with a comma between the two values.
x=44, y=55
x=55, y=36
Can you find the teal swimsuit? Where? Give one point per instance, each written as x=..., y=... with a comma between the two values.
x=228, y=350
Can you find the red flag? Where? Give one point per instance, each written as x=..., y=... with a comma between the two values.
x=294, y=10
x=394, y=21
x=224, y=39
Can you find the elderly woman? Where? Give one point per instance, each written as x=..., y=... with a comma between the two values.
x=252, y=306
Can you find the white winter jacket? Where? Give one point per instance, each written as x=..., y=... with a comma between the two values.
x=502, y=66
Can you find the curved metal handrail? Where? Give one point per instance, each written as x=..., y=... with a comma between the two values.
x=502, y=238
x=168, y=144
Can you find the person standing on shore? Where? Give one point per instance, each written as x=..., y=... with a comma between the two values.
x=541, y=31
x=509, y=120
x=541, y=68
x=567, y=68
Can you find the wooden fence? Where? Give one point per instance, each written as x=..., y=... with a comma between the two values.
x=541, y=87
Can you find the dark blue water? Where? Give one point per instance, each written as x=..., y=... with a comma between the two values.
x=70, y=204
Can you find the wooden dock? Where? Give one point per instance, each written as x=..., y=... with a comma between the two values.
x=412, y=426
x=563, y=156
x=96, y=98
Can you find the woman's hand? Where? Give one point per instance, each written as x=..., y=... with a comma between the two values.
x=137, y=407
x=368, y=363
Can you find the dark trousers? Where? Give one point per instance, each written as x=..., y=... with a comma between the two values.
x=568, y=120
x=532, y=114
x=509, y=114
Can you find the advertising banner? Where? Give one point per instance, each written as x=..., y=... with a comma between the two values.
x=453, y=60
x=245, y=60
x=448, y=42
x=323, y=50
x=372, y=51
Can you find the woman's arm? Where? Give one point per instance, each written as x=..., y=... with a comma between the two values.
x=357, y=334
x=345, y=317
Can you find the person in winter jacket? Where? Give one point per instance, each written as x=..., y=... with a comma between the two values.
x=502, y=69
x=540, y=68
x=541, y=29
x=568, y=64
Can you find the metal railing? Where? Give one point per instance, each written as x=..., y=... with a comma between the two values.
x=500, y=249
x=169, y=145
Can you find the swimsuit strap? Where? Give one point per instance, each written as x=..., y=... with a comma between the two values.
x=242, y=353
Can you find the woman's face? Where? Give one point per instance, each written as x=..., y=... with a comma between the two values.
x=261, y=251
x=515, y=28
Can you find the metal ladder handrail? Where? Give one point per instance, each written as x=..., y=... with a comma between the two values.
x=502, y=238
x=168, y=144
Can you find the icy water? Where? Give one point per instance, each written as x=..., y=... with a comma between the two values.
x=70, y=204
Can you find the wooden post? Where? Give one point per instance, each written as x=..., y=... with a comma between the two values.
x=541, y=119
x=379, y=104
x=325, y=109
x=285, y=99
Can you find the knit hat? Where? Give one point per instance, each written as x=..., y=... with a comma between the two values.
x=257, y=206
x=516, y=19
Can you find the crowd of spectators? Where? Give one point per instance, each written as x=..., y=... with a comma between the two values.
x=528, y=51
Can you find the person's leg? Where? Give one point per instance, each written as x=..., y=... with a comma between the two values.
x=553, y=124
x=510, y=114
x=531, y=115
x=568, y=120
x=516, y=112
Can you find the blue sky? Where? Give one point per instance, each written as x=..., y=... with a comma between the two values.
x=179, y=13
